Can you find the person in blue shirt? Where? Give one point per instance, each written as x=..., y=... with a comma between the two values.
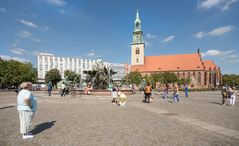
x=49, y=87
x=26, y=106
x=186, y=89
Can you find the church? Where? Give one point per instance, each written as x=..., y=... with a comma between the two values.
x=203, y=73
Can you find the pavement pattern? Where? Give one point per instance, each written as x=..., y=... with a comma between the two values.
x=199, y=120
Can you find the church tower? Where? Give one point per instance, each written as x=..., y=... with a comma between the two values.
x=137, y=46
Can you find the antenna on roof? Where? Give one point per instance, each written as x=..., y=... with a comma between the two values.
x=198, y=50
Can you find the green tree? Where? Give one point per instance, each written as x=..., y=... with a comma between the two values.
x=168, y=77
x=183, y=81
x=72, y=76
x=155, y=77
x=230, y=79
x=134, y=78
x=12, y=73
x=53, y=75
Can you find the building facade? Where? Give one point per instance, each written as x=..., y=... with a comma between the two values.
x=203, y=73
x=47, y=61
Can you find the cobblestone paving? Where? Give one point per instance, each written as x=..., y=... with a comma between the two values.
x=89, y=121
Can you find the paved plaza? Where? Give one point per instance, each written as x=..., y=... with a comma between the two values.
x=199, y=120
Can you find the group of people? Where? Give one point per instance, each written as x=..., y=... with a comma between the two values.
x=149, y=92
x=229, y=92
x=118, y=97
x=63, y=89
x=27, y=103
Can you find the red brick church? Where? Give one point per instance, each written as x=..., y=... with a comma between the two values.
x=203, y=73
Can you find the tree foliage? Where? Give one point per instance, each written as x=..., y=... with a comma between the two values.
x=53, y=75
x=153, y=78
x=230, y=79
x=72, y=76
x=134, y=78
x=12, y=73
x=184, y=81
x=168, y=77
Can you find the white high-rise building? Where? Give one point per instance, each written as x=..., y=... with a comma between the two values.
x=47, y=61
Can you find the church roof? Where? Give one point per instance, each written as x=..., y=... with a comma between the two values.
x=210, y=65
x=178, y=62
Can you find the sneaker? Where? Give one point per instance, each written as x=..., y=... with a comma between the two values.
x=27, y=136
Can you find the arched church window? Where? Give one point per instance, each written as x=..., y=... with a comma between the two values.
x=194, y=74
x=178, y=74
x=137, y=51
x=137, y=60
x=199, y=77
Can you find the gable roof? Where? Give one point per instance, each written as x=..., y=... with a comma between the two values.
x=210, y=65
x=178, y=62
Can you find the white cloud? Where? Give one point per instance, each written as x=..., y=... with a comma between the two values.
x=215, y=32
x=91, y=53
x=228, y=52
x=62, y=11
x=35, y=53
x=33, y=25
x=57, y=2
x=45, y=28
x=14, y=44
x=220, y=30
x=230, y=55
x=5, y=57
x=234, y=61
x=2, y=10
x=24, y=34
x=168, y=39
x=19, y=51
x=37, y=40
x=150, y=36
x=222, y=5
x=211, y=53
x=200, y=34
x=147, y=43
x=207, y=4
x=28, y=23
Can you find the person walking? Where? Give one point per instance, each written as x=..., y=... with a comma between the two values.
x=233, y=94
x=26, y=106
x=224, y=95
x=175, y=93
x=49, y=87
x=63, y=88
x=165, y=94
x=114, y=94
x=147, y=93
x=186, y=90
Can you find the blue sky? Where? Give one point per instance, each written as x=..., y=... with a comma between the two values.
x=93, y=28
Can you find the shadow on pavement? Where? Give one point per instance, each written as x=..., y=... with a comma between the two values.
x=6, y=107
x=216, y=103
x=41, y=127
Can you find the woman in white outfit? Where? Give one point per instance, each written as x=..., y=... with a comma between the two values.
x=233, y=94
x=26, y=106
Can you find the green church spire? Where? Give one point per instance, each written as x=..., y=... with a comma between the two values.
x=137, y=22
x=138, y=33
